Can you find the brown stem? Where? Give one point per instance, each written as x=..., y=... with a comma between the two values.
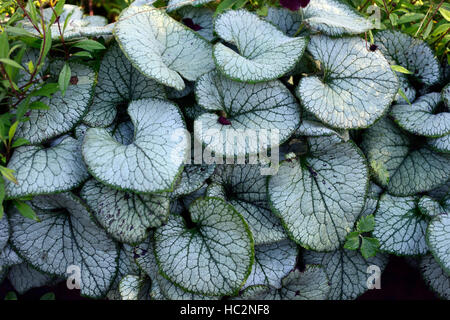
x=66, y=51
x=28, y=17
x=6, y=76
x=91, y=7
x=432, y=16
x=387, y=11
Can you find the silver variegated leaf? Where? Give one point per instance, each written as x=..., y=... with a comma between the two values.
x=311, y=284
x=264, y=52
x=130, y=287
x=398, y=164
x=66, y=237
x=430, y=207
x=252, y=109
x=125, y=216
x=441, y=144
x=446, y=95
x=46, y=170
x=126, y=266
x=372, y=200
x=411, y=53
x=4, y=231
x=287, y=21
x=421, y=118
x=152, y=162
x=438, y=238
x=213, y=258
x=273, y=262
x=245, y=189
x=162, y=48
x=319, y=196
x=23, y=278
x=435, y=277
x=118, y=84
x=175, y=4
x=334, y=18
x=400, y=227
x=357, y=85
x=64, y=112
x=161, y=288
x=346, y=270
x=192, y=178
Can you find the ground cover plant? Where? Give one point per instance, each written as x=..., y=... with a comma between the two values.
x=223, y=150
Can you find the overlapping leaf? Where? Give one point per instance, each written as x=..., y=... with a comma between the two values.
x=435, y=277
x=346, y=270
x=46, y=170
x=422, y=117
x=287, y=21
x=264, y=52
x=319, y=196
x=64, y=112
x=357, y=85
x=251, y=109
x=399, y=164
x=118, y=84
x=152, y=162
x=400, y=227
x=273, y=262
x=125, y=216
x=311, y=284
x=162, y=48
x=66, y=236
x=23, y=278
x=245, y=189
x=214, y=257
x=334, y=18
x=411, y=53
x=438, y=238
x=4, y=232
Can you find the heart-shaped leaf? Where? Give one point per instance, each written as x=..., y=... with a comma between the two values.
x=253, y=108
x=162, y=48
x=357, y=85
x=245, y=189
x=214, y=257
x=320, y=195
x=264, y=52
x=334, y=18
x=346, y=270
x=125, y=216
x=410, y=53
x=311, y=284
x=422, y=118
x=400, y=226
x=46, y=170
x=64, y=112
x=372, y=200
x=401, y=164
x=435, y=277
x=118, y=84
x=152, y=162
x=273, y=262
x=75, y=241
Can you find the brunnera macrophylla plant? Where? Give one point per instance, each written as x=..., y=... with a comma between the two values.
x=363, y=133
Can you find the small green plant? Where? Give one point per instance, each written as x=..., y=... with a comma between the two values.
x=360, y=239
